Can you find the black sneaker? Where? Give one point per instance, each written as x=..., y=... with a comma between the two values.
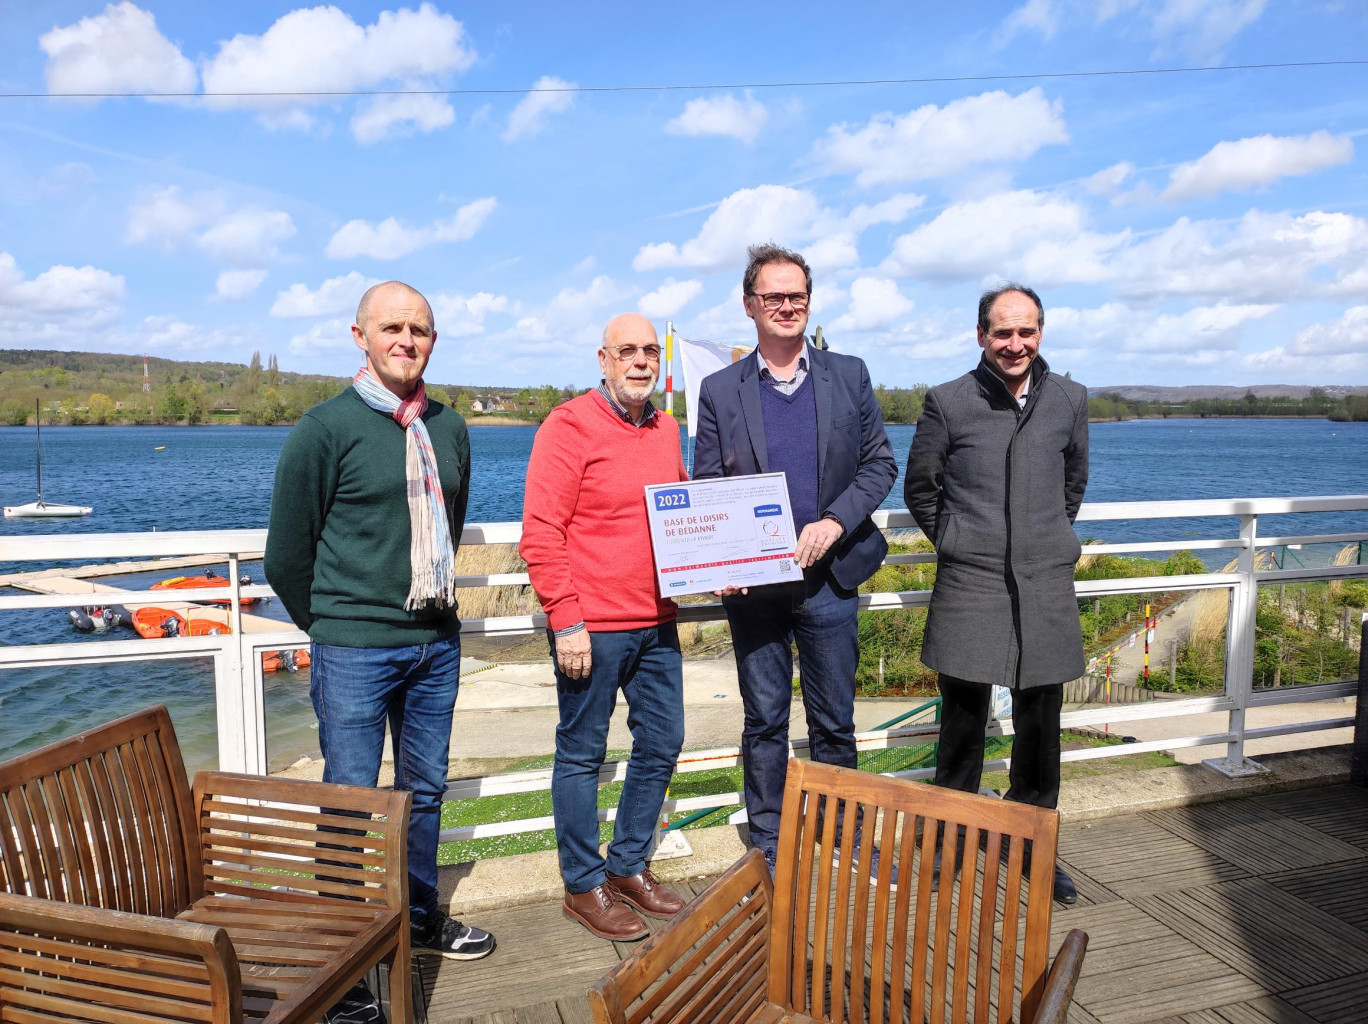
x=443, y=936
x=358, y=1006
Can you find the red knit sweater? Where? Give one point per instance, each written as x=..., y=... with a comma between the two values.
x=585, y=537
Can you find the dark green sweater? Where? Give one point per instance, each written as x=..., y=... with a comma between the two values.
x=337, y=552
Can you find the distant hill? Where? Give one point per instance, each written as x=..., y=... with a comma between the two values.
x=1196, y=392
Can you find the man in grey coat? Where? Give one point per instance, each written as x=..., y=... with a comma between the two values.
x=995, y=478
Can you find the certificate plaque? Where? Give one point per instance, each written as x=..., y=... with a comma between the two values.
x=732, y=531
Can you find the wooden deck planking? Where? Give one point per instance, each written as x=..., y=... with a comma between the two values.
x=1246, y=834
x=1338, y=889
x=1342, y=1001
x=1135, y=855
x=1261, y=931
x=1185, y=926
x=1338, y=811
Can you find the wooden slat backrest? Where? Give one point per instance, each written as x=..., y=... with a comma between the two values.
x=94, y=966
x=847, y=946
x=715, y=955
x=277, y=845
x=102, y=819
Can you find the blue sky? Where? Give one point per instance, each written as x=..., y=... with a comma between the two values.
x=1181, y=228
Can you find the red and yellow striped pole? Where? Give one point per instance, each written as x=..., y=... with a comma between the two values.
x=1149, y=633
x=669, y=366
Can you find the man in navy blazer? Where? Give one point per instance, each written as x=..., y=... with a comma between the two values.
x=811, y=414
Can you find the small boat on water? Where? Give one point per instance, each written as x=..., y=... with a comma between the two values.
x=41, y=509
x=100, y=618
x=284, y=661
x=153, y=623
x=209, y=579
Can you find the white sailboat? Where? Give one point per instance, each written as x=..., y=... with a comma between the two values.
x=41, y=509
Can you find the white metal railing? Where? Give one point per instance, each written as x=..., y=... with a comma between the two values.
x=239, y=685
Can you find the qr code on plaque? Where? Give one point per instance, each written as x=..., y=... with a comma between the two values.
x=785, y=565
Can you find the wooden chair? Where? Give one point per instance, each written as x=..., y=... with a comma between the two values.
x=127, y=897
x=826, y=942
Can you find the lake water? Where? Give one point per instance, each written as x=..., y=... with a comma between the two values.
x=212, y=478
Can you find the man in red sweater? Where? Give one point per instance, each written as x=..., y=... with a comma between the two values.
x=588, y=551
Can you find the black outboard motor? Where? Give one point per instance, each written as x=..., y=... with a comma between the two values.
x=80, y=618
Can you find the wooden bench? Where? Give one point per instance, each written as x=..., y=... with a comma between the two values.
x=826, y=942
x=128, y=897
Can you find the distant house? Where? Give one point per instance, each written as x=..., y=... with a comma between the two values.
x=487, y=404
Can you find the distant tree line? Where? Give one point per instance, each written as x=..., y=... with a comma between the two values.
x=79, y=388
x=1317, y=404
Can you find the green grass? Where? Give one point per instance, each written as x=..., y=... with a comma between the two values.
x=516, y=806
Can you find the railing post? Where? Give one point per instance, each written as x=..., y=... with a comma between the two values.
x=238, y=693
x=1239, y=666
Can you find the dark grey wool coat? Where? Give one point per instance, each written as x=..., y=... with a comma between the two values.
x=996, y=487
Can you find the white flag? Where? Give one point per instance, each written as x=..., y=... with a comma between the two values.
x=700, y=358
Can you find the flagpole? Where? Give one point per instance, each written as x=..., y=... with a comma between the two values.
x=669, y=367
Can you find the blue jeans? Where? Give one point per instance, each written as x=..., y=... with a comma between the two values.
x=820, y=616
x=354, y=691
x=646, y=665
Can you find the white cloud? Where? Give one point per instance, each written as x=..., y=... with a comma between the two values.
x=245, y=237
x=893, y=210
x=391, y=238
x=322, y=50
x=460, y=316
x=936, y=142
x=602, y=291
x=166, y=217
x=1347, y=335
x=1255, y=162
x=326, y=336
x=875, y=303
x=388, y=117
x=59, y=289
x=740, y=119
x=529, y=116
x=1041, y=16
x=69, y=177
x=669, y=298
x=1109, y=180
x=236, y=285
x=60, y=308
x=1262, y=257
x=118, y=50
x=1197, y=336
x=333, y=296
x=1201, y=27
x=1035, y=236
x=747, y=216
x=727, y=321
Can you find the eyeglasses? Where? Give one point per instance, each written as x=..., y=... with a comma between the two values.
x=776, y=300
x=628, y=353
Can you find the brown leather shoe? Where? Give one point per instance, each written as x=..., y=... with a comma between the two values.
x=604, y=914
x=646, y=894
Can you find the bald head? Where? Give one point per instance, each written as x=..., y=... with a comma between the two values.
x=363, y=308
x=629, y=329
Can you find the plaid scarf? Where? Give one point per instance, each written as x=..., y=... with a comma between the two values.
x=432, y=556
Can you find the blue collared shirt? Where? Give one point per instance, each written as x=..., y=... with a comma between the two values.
x=647, y=413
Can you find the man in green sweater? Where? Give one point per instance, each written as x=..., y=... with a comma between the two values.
x=369, y=504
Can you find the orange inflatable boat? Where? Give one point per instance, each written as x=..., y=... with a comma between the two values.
x=208, y=580
x=154, y=623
